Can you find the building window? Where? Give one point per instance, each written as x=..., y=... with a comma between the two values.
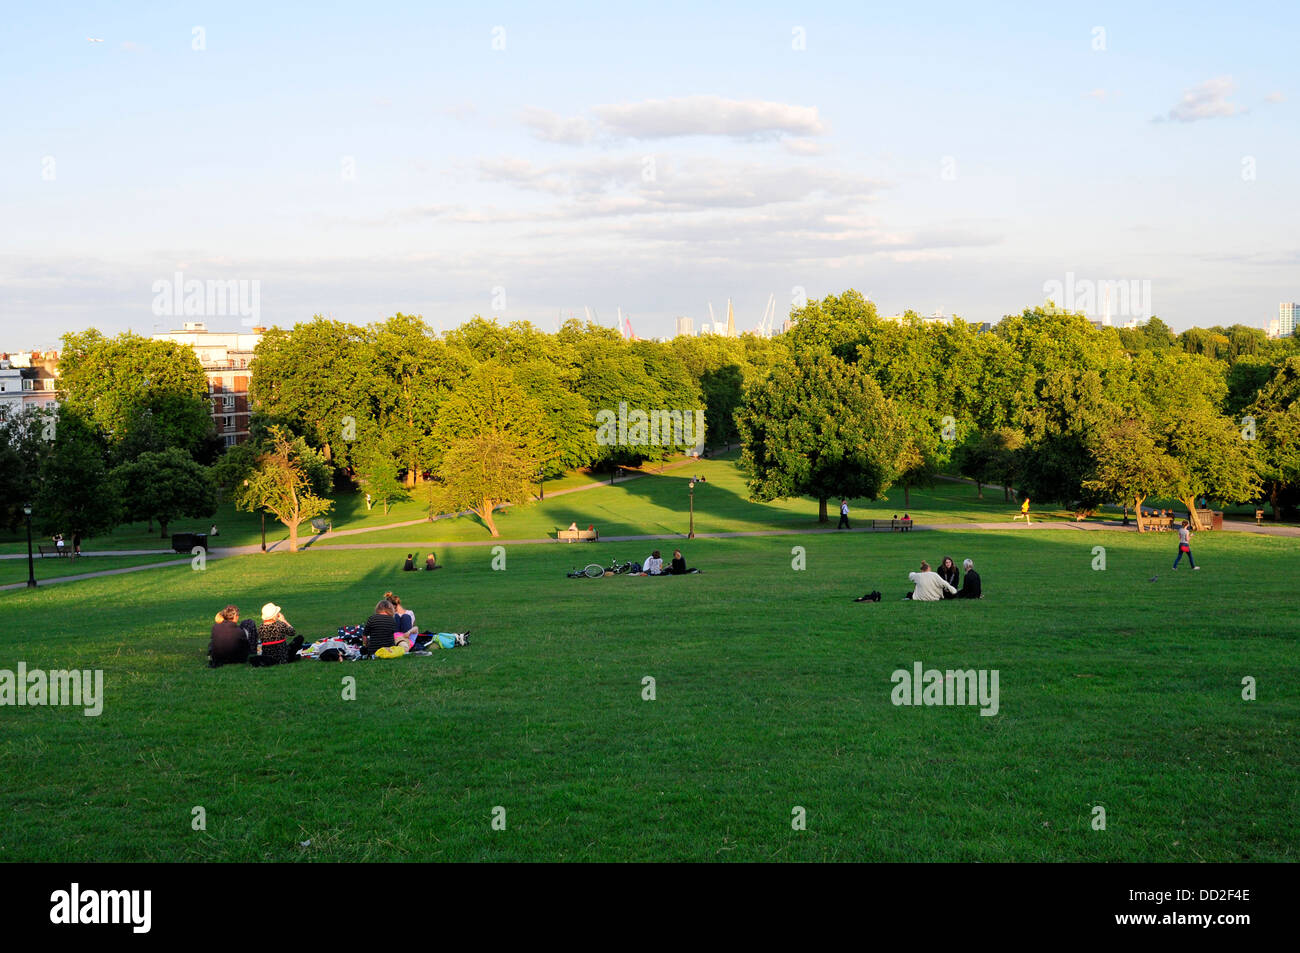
x=230, y=440
x=228, y=401
x=227, y=423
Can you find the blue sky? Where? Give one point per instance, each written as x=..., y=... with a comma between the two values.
x=358, y=160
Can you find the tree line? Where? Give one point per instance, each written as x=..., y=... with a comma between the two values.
x=844, y=404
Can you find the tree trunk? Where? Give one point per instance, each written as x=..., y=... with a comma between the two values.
x=485, y=512
x=1273, y=500
x=149, y=529
x=979, y=489
x=1006, y=493
x=907, y=497
x=162, y=530
x=1137, y=508
x=385, y=507
x=293, y=534
x=821, y=511
x=327, y=452
x=1192, y=516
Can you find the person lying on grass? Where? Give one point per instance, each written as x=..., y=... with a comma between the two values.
x=277, y=643
x=930, y=586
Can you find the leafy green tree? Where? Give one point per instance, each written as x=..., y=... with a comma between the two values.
x=378, y=478
x=23, y=451
x=74, y=494
x=1214, y=461
x=288, y=479
x=140, y=395
x=1276, y=418
x=1131, y=466
x=820, y=427
x=165, y=486
x=321, y=380
x=485, y=470
x=836, y=323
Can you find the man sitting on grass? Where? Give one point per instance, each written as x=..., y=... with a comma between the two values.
x=930, y=586
x=970, y=587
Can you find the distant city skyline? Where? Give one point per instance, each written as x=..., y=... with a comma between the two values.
x=529, y=164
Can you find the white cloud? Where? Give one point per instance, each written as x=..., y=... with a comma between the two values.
x=805, y=147
x=1275, y=97
x=709, y=116
x=550, y=127
x=683, y=116
x=1098, y=94
x=1209, y=100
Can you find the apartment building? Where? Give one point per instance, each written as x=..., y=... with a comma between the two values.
x=226, y=357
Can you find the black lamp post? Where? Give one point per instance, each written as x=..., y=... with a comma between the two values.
x=263, y=530
x=31, y=566
x=691, y=534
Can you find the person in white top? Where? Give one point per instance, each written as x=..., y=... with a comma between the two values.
x=930, y=586
x=654, y=566
x=1185, y=546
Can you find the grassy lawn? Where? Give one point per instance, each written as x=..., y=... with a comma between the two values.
x=772, y=692
x=15, y=570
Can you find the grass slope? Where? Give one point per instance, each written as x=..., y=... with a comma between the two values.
x=772, y=691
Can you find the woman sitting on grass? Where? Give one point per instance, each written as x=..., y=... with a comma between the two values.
x=277, y=643
x=948, y=573
x=230, y=644
x=380, y=630
x=403, y=619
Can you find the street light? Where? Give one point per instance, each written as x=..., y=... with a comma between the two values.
x=691, y=534
x=263, y=512
x=31, y=566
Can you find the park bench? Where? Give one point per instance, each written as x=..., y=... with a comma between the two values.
x=902, y=526
x=321, y=526
x=54, y=551
x=577, y=535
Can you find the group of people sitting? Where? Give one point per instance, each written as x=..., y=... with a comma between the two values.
x=930, y=586
x=430, y=562
x=390, y=631
x=654, y=565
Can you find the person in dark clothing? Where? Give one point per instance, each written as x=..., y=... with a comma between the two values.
x=277, y=643
x=409, y=565
x=948, y=573
x=76, y=544
x=678, y=566
x=971, y=588
x=380, y=628
x=229, y=644
x=431, y=562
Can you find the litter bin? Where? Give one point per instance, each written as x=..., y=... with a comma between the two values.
x=185, y=542
x=1217, y=522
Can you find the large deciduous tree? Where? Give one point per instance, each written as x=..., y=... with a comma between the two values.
x=164, y=486
x=1131, y=466
x=289, y=479
x=820, y=427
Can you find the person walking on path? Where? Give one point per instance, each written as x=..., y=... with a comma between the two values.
x=1185, y=546
x=1024, y=512
x=844, y=515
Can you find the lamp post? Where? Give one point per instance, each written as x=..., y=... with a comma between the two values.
x=691, y=534
x=263, y=530
x=31, y=566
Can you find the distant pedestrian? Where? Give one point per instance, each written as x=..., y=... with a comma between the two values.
x=1185, y=546
x=76, y=544
x=844, y=515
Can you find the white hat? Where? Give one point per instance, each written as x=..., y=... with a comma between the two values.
x=270, y=611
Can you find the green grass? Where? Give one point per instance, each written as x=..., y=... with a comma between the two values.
x=15, y=570
x=773, y=691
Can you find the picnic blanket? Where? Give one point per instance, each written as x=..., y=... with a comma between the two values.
x=346, y=646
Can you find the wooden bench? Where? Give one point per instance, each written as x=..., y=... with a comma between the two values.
x=577, y=535
x=54, y=551
x=902, y=526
